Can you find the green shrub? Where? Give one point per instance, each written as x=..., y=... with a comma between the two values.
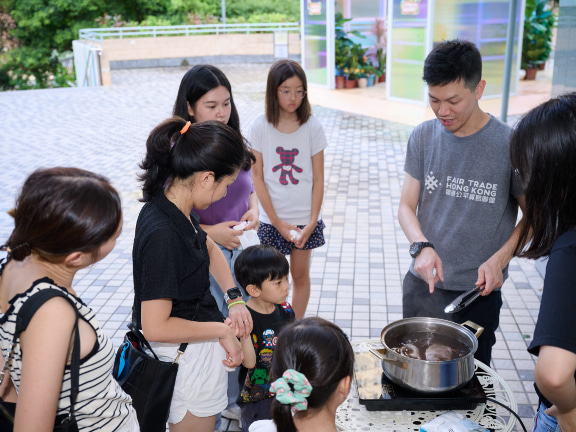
x=45, y=27
x=273, y=17
x=4, y=78
x=33, y=68
x=247, y=8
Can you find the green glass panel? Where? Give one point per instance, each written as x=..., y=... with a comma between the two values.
x=407, y=52
x=409, y=34
x=491, y=49
x=407, y=80
x=317, y=76
x=315, y=30
x=493, y=73
x=316, y=70
x=315, y=41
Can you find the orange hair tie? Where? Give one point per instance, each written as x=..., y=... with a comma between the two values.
x=185, y=128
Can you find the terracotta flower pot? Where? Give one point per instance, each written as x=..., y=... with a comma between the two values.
x=542, y=66
x=350, y=84
x=363, y=82
x=530, y=73
x=382, y=77
x=340, y=82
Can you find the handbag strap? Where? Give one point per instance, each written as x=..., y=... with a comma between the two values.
x=23, y=318
x=144, y=342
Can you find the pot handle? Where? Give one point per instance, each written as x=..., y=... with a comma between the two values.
x=477, y=329
x=380, y=354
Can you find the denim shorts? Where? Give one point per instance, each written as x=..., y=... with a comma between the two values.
x=543, y=422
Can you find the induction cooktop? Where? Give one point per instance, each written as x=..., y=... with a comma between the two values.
x=378, y=393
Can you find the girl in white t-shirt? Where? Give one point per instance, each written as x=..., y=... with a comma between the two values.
x=289, y=142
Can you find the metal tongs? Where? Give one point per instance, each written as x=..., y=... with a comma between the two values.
x=464, y=300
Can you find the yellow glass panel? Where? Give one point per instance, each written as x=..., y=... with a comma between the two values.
x=407, y=52
x=407, y=80
x=409, y=34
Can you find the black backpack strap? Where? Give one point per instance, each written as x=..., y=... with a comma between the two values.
x=24, y=317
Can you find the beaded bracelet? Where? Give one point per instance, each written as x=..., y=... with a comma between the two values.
x=235, y=303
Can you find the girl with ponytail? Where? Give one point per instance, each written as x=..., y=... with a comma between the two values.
x=188, y=166
x=313, y=365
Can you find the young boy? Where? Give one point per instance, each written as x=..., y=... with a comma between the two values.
x=263, y=273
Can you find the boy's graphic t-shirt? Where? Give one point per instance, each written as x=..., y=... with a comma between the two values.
x=255, y=383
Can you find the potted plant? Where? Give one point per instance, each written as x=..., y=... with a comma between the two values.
x=362, y=78
x=370, y=74
x=537, y=38
x=342, y=55
x=343, y=47
x=381, y=59
x=357, y=61
x=352, y=73
x=377, y=53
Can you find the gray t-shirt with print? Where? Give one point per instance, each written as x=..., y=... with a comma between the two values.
x=468, y=192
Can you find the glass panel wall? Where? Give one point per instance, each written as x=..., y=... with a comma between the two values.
x=413, y=29
x=364, y=14
x=413, y=32
x=485, y=23
x=315, y=41
x=406, y=49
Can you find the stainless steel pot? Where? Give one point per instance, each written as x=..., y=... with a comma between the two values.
x=427, y=376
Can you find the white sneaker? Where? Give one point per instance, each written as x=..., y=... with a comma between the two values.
x=232, y=413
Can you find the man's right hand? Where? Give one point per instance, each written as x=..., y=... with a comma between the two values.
x=429, y=266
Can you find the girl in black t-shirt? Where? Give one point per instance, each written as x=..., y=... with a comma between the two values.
x=543, y=150
x=188, y=165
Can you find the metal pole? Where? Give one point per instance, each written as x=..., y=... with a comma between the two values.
x=509, y=59
x=223, y=11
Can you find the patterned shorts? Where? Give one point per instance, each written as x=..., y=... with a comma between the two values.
x=271, y=236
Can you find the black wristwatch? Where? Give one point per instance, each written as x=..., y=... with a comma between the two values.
x=232, y=293
x=416, y=248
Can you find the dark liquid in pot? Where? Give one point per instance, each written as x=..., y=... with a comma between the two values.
x=428, y=346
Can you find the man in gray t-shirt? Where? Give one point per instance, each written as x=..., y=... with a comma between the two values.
x=460, y=197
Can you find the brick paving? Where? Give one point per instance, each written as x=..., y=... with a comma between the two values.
x=356, y=276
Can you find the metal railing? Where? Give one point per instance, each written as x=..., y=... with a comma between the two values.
x=99, y=34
